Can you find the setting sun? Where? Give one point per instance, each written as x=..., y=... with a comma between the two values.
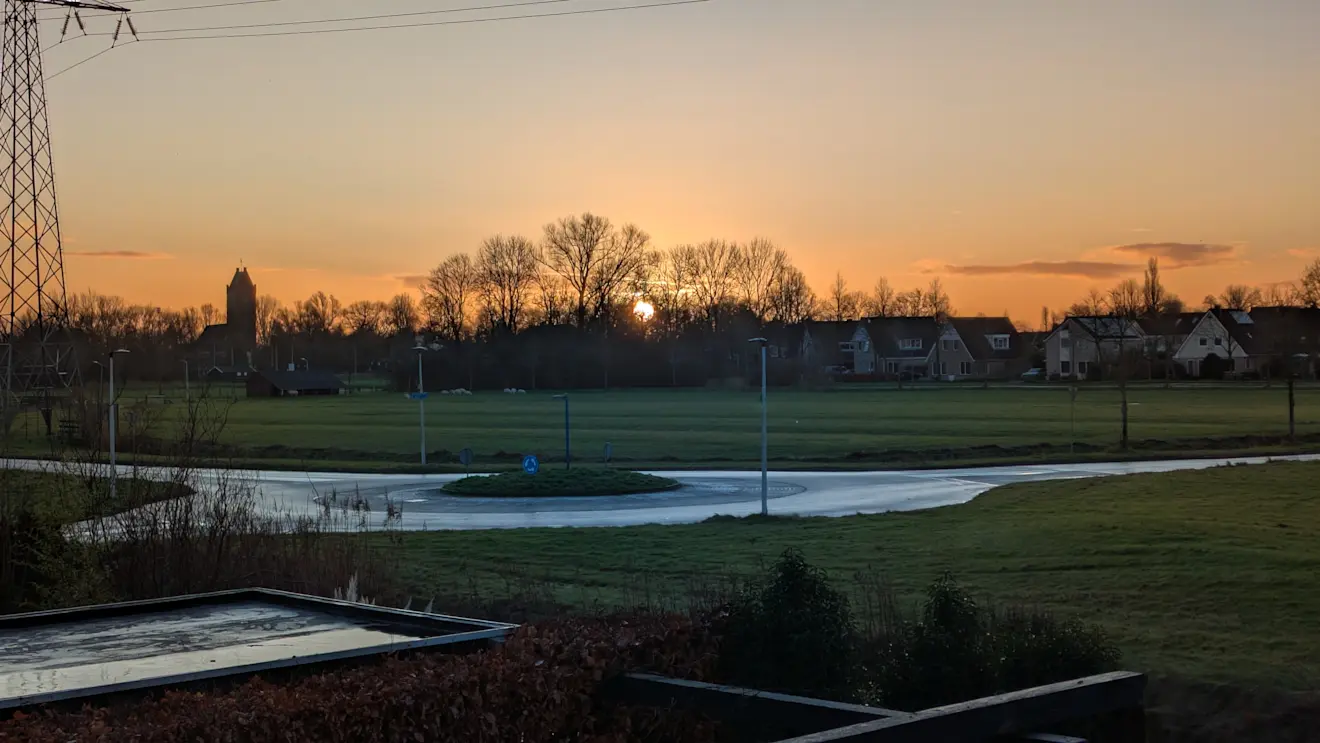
x=644, y=309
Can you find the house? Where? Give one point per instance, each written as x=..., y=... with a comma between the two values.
x=1238, y=342
x=293, y=383
x=238, y=373
x=830, y=346
x=896, y=346
x=983, y=347
x=1080, y=346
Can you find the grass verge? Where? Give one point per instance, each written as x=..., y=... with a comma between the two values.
x=556, y=483
x=1206, y=575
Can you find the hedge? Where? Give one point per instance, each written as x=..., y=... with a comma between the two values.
x=540, y=685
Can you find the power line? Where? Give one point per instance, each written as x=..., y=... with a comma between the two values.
x=79, y=64
x=465, y=21
x=354, y=19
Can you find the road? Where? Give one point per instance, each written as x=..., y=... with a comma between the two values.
x=704, y=494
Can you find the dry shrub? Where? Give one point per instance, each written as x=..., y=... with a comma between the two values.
x=541, y=685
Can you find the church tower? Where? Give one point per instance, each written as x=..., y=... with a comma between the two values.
x=241, y=310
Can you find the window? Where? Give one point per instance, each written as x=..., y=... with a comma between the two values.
x=999, y=342
x=847, y=346
x=909, y=344
x=1219, y=341
x=1082, y=367
x=1204, y=342
x=1065, y=367
x=892, y=367
x=943, y=366
x=965, y=368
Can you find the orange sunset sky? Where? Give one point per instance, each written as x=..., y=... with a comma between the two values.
x=1023, y=150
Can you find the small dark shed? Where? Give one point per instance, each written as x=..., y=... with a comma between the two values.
x=286, y=383
x=228, y=373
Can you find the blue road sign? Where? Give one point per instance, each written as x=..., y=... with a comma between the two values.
x=417, y=395
x=530, y=465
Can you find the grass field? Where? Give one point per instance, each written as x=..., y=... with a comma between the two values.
x=842, y=427
x=1208, y=575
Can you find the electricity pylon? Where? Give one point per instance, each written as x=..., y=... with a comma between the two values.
x=38, y=353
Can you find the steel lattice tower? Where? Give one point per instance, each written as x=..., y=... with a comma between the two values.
x=38, y=354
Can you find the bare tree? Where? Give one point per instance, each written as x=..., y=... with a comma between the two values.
x=620, y=274
x=1155, y=298
x=1279, y=294
x=936, y=302
x=400, y=315
x=267, y=309
x=671, y=291
x=713, y=263
x=843, y=304
x=759, y=266
x=792, y=300
x=210, y=315
x=1308, y=289
x=1046, y=319
x=508, y=269
x=573, y=248
x=882, y=300
x=1093, y=304
x=447, y=293
x=1240, y=297
x=553, y=300
x=1126, y=299
x=363, y=316
x=319, y=314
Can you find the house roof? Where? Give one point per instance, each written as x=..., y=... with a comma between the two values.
x=826, y=335
x=297, y=381
x=1181, y=323
x=1107, y=327
x=1265, y=330
x=887, y=332
x=973, y=331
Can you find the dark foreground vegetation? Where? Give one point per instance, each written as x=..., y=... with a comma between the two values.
x=791, y=631
x=558, y=483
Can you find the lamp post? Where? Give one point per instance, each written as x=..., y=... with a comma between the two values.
x=568, y=446
x=306, y=366
x=765, y=471
x=187, y=385
x=114, y=415
x=421, y=402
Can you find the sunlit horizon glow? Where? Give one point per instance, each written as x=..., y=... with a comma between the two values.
x=1013, y=149
x=644, y=309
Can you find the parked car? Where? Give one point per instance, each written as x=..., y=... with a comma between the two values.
x=1033, y=375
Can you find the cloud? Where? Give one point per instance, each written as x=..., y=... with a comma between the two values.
x=128, y=254
x=1305, y=253
x=412, y=281
x=1079, y=269
x=1181, y=255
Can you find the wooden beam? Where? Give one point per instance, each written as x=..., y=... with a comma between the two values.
x=1014, y=713
x=759, y=715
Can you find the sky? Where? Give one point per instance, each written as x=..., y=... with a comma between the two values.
x=1023, y=151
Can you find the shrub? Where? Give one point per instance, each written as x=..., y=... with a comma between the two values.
x=792, y=632
x=960, y=651
x=540, y=685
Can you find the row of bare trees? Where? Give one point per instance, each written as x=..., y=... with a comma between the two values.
x=584, y=269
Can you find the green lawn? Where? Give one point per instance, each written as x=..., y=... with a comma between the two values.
x=656, y=428
x=1208, y=575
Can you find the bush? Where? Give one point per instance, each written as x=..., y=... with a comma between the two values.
x=791, y=633
x=961, y=651
x=552, y=483
x=540, y=685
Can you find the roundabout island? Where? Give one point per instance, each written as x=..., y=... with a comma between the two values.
x=566, y=483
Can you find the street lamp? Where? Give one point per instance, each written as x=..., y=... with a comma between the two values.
x=765, y=472
x=306, y=366
x=187, y=386
x=114, y=411
x=568, y=447
x=421, y=401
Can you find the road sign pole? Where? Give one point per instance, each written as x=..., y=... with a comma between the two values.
x=568, y=441
x=765, y=465
x=421, y=407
